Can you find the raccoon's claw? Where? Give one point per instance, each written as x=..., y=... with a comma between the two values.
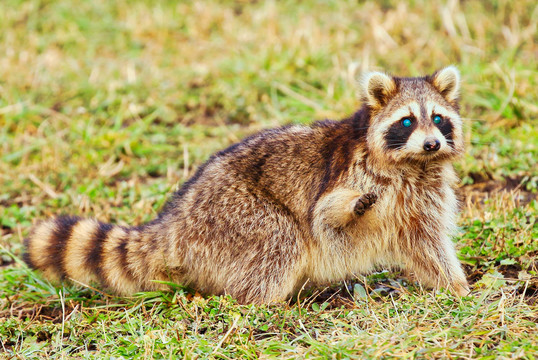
x=364, y=203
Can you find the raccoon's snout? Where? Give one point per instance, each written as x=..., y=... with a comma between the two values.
x=432, y=144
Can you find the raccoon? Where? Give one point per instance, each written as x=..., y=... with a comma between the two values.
x=293, y=205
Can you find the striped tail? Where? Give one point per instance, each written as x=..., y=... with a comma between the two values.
x=87, y=251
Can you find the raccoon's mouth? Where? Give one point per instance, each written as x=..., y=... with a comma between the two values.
x=433, y=156
x=430, y=154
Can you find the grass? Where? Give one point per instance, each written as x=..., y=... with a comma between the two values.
x=105, y=107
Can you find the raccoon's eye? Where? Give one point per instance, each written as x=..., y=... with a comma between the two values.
x=406, y=122
x=437, y=119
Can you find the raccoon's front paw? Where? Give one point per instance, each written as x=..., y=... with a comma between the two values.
x=364, y=203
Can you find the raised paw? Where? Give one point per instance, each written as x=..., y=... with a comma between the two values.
x=364, y=203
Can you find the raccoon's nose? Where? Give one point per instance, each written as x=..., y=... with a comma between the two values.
x=432, y=145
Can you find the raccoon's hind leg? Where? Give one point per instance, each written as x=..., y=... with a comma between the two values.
x=242, y=243
x=270, y=263
x=339, y=207
x=267, y=267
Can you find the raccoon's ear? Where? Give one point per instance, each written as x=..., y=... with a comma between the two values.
x=376, y=89
x=447, y=81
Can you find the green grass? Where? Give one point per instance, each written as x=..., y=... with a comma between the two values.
x=105, y=107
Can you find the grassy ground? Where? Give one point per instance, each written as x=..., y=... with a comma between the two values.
x=106, y=106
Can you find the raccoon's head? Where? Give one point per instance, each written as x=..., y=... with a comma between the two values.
x=414, y=119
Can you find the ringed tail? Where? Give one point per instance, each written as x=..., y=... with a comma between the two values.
x=88, y=251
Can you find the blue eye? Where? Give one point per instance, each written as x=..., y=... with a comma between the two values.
x=437, y=119
x=406, y=122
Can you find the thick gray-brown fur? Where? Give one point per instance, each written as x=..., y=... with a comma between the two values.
x=296, y=204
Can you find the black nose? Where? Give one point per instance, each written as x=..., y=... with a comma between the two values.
x=432, y=145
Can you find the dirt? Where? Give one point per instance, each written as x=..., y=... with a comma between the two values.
x=38, y=312
x=485, y=187
x=510, y=271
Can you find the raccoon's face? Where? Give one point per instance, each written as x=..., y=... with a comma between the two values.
x=414, y=119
